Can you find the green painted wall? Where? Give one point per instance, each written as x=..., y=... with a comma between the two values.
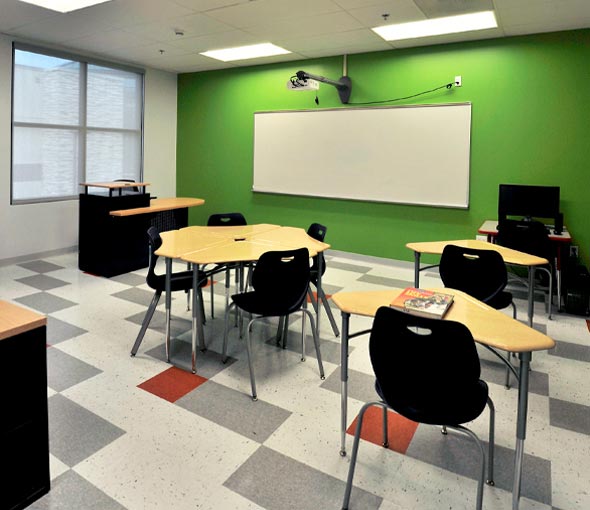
x=530, y=124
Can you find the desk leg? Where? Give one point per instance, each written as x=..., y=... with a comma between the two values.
x=531, y=309
x=521, y=419
x=343, y=381
x=197, y=326
x=416, y=269
x=318, y=300
x=168, y=305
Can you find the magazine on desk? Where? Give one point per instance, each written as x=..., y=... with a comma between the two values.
x=424, y=303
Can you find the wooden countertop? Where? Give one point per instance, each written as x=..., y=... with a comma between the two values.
x=160, y=204
x=15, y=319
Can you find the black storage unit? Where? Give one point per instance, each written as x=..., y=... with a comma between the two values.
x=577, y=289
x=24, y=443
x=112, y=245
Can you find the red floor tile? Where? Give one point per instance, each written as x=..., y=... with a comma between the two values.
x=400, y=430
x=172, y=384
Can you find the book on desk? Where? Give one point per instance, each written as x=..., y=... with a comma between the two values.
x=424, y=303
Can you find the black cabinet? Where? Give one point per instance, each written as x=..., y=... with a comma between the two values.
x=112, y=245
x=24, y=443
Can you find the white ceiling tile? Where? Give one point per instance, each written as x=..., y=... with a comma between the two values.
x=134, y=30
x=397, y=12
x=192, y=25
x=362, y=38
x=216, y=41
x=105, y=41
x=269, y=11
x=64, y=27
x=14, y=14
x=307, y=26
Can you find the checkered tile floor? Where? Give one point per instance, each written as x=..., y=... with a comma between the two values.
x=139, y=433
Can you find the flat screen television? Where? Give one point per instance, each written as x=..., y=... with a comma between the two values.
x=528, y=201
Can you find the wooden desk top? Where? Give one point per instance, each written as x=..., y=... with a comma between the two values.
x=15, y=320
x=487, y=325
x=510, y=256
x=489, y=227
x=114, y=185
x=160, y=204
x=214, y=245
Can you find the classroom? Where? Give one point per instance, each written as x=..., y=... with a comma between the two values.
x=138, y=432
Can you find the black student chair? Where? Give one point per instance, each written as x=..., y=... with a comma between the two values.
x=182, y=280
x=234, y=219
x=317, y=232
x=481, y=274
x=420, y=378
x=280, y=280
x=529, y=237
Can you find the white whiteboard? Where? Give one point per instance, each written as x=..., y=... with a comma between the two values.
x=402, y=154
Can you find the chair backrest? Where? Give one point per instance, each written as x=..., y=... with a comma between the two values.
x=420, y=369
x=155, y=241
x=317, y=232
x=133, y=188
x=480, y=273
x=283, y=276
x=234, y=219
x=526, y=236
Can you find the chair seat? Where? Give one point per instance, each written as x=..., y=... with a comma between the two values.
x=461, y=406
x=265, y=305
x=182, y=280
x=500, y=301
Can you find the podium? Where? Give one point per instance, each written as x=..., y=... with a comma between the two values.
x=109, y=245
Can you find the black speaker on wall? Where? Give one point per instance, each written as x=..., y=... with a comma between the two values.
x=559, y=224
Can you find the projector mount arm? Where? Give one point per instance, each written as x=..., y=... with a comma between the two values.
x=343, y=85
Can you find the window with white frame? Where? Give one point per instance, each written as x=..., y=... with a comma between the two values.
x=72, y=121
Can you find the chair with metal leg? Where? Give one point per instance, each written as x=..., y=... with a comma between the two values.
x=280, y=280
x=234, y=219
x=180, y=281
x=420, y=378
x=481, y=274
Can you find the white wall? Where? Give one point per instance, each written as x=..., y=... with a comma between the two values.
x=36, y=228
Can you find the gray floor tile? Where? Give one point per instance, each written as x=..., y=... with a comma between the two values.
x=459, y=454
x=40, y=266
x=138, y=296
x=349, y=267
x=330, y=350
x=75, y=433
x=569, y=415
x=361, y=386
x=70, y=491
x=305, y=489
x=254, y=420
x=59, y=331
x=387, y=282
x=45, y=302
x=495, y=372
x=42, y=282
x=65, y=371
x=131, y=279
x=209, y=363
x=178, y=326
x=571, y=351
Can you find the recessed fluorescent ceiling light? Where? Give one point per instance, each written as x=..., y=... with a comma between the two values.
x=244, y=52
x=438, y=26
x=64, y=5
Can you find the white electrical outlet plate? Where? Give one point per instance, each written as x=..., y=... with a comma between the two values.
x=458, y=81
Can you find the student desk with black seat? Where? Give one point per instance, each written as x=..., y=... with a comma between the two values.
x=201, y=246
x=560, y=241
x=510, y=256
x=489, y=328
